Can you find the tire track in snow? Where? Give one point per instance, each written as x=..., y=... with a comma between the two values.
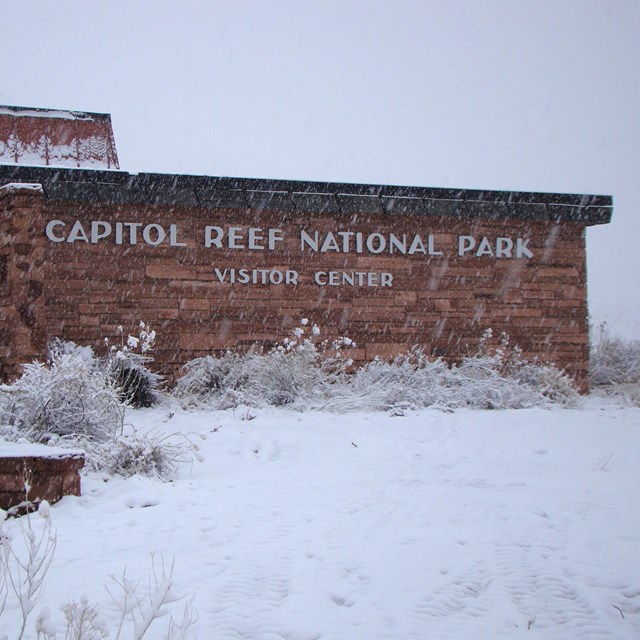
x=450, y=610
x=547, y=599
x=254, y=584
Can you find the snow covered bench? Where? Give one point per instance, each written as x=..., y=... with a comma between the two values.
x=36, y=472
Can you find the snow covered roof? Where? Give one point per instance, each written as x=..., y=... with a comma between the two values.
x=119, y=187
x=51, y=137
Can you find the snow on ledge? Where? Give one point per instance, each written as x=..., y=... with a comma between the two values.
x=22, y=186
x=32, y=450
x=45, y=113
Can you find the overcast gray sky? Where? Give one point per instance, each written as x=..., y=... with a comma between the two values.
x=497, y=94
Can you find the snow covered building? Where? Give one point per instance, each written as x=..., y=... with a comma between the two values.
x=57, y=138
x=213, y=263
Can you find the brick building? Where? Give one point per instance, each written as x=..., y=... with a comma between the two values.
x=214, y=263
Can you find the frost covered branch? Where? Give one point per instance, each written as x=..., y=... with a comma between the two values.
x=83, y=622
x=25, y=562
x=26, y=572
x=143, y=609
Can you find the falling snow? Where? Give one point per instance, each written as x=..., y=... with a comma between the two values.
x=312, y=525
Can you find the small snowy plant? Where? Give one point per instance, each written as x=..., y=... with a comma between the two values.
x=411, y=380
x=299, y=371
x=82, y=620
x=148, y=454
x=25, y=565
x=141, y=608
x=127, y=365
x=498, y=376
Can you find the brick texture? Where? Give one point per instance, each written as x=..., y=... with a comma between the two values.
x=49, y=478
x=83, y=291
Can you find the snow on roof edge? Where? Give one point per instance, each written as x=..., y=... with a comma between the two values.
x=64, y=114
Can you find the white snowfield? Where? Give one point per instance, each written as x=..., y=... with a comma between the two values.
x=316, y=526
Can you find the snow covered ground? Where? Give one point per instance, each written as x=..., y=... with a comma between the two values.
x=316, y=526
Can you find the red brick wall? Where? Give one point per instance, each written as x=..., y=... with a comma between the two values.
x=49, y=477
x=443, y=302
x=23, y=332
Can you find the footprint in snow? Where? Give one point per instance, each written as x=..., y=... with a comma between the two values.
x=140, y=502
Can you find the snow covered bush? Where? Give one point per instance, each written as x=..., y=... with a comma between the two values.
x=69, y=398
x=614, y=360
x=499, y=377
x=125, y=364
x=551, y=383
x=82, y=620
x=411, y=380
x=299, y=372
x=217, y=380
x=58, y=348
x=79, y=400
x=305, y=374
x=142, y=607
x=498, y=380
x=148, y=454
x=615, y=367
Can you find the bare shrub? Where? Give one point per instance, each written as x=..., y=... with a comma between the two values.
x=283, y=376
x=499, y=377
x=551, y=383
x=623, y=393
x=142, y=608
x=408, y=381
x=58, y=348
x=126, y=365
x=614, y=360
